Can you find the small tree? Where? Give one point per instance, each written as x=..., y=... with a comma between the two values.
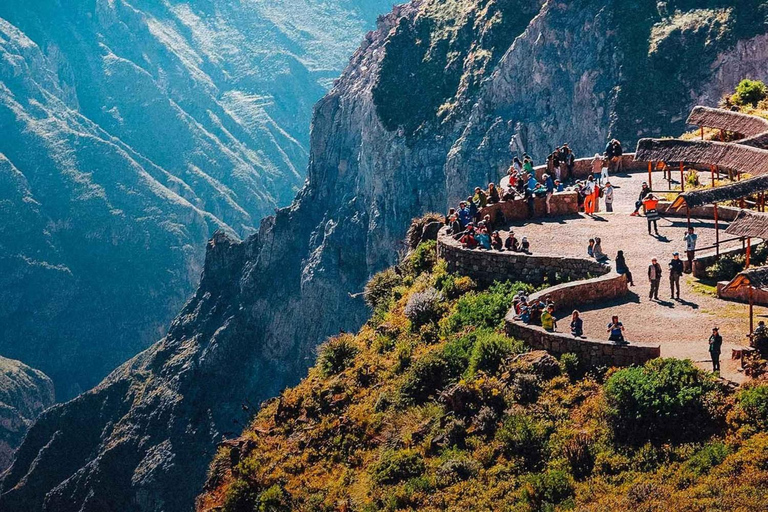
x=749, y=93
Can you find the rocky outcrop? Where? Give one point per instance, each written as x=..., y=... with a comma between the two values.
x=131, y=131
x=398, y=135
x=24, y=394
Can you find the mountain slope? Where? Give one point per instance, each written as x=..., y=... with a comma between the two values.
x=132, y=131
x=265, y=304
x=24, y=394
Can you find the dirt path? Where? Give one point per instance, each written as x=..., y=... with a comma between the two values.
x=681, y=327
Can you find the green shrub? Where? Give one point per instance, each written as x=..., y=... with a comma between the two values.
x=571, y=366
x=241, y=497
x=426, y=379
x=380, y=288
x=749, y=92
x=273, y=499
x=424, y=307
x=489, y=351
x=454, y=286
x=423, y=258
x=398, y=466
x=708, y=457
x=336, y=355
x=542, y=491
x=579, y=453
x=526, y=388
x=403, y=355
x=524, y=438
x=456, y=468
x=753, y=403
x=726, y=267
x=663, y=400
x=485, y=309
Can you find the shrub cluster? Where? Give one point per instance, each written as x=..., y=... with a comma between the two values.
x=336, y=355
x=424, y=307
x=398, y=466
x=749, y=93
x=485, y=309
x=379, y=290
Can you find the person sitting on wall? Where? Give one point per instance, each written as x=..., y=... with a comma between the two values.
x=496, y=242
x=622, y=268
x=511, y=243
x=548, y=321
x=591, y=248
x=644, y=191
x=616, y=330
x=559, y=186
x=482, y=237
x=451, y=212
x=536, y=309
x=508, y=194
x=472, y=208
x=487, y=222
x=493, y=194
x=598, y=250
x=577, y=325
x=525, y=246
x=527, y=164
x=480, y=199
x=465, y=215
x=468, y=239
x=516, y=167
x=454, y=226
x=525, y=313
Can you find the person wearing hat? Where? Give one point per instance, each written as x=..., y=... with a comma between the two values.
x=654, y=276
x=715, y=345
x=511, y=243
x=550, y=186
x=675, y=271
x=597, y=167
x=644, y=191
x=465, y=215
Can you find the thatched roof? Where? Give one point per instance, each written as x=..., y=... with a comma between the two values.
x=736, y=122
x=719, y=194
x=749, y=225
x=728, y=155
x=758, y=141
x=756, y=277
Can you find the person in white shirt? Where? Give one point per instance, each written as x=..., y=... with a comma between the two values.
x=690, y=247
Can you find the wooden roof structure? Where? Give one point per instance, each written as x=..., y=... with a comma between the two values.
x=722, y=119
x=730, y=192
x=746, y=159
x=749, y=225
x=756, y=277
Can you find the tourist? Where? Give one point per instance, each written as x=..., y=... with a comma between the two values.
x=618, y=161
x=465, y=215
x=616, y=330
x=454, y=226
x=480, y=198
x=759, y=339
x=548, y=322
x=482, y=237
x=468, y=240
x=525, y=313
x=496, y=241
x=597, y=167
x=511, y=243
x=598, y=250
x=650, y=204
x=472, y=208
x=644, y=191
x=532, y=183
x=487, y=222
x=675, y=271
x=622, y=268
x=608, y=196
x=493, y=194
x=577, y=325
x=591, y=248
x=525, y=246
x=609, y=151
x=715, y=346
x=566, y=155
x=527, y=164
x=654, y=276
x=690, y=247
x=550, y=189
x=589, y=196
x=536, y=309
x=517, y=166
x=559, y=186
x=451, y=213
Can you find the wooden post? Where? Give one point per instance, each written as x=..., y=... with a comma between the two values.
x=751, y=312
x=717, y=233
x=650, y=176
x=688, y=215
x=682, y=178
x=701, y=128
x=749, y=250
x=712, y=175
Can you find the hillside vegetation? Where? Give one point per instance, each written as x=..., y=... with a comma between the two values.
x=431, y=407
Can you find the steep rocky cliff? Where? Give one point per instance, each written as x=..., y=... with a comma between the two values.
x=130, y=132
x=436, y=99
x=24, y=394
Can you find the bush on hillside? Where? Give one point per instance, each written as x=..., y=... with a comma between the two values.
x=663, y=400
x=753, y=406
x=426, y=378
x=749, y=93
x=424, y=307
x=423, y=258
x=485, y=309
x=525, y=438
x=726, y=267
x=489, y=350
x=542, y=491
x=454, y=286
x=379, y=290
x=397, y=466
x=336, y=355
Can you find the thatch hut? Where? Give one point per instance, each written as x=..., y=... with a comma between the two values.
x=736, y=122
x=745, y=159
x=731, y=192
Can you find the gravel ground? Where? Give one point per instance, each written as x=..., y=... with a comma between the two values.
x=681, y=327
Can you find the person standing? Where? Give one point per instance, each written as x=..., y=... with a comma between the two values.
x=618, y=151
x=654, y=276
x=715, y=345
x=608, y=196
x=651, y=213
x=690, y=247
x=550, y=186
x=616, y=331
x=589, y=196
x=675, y=271
x=597, y=167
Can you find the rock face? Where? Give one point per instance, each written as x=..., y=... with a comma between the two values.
x=436, y=99
x=131, y=131
x=24, y=394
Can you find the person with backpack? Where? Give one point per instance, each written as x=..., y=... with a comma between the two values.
x=618, y=152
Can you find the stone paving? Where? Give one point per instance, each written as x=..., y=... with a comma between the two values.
x=681, y=327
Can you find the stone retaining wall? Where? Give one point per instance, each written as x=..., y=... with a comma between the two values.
x=590, y=352
x=562, y=203
x=485, y=267
x=582, y=167
x=573, y=295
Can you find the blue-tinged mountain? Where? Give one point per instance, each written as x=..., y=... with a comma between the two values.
x=129, y=132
